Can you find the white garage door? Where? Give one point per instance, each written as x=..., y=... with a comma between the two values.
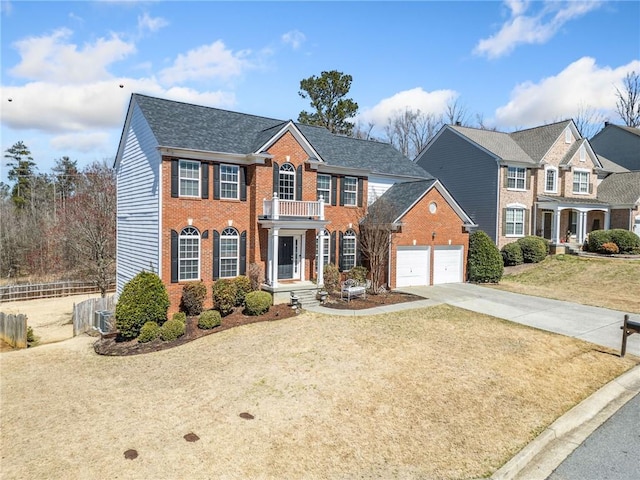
x=447, y=264
x=412, y=266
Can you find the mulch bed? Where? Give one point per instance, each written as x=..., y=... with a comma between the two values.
x=118, y=347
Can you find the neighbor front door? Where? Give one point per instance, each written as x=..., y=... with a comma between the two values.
x=285, y=258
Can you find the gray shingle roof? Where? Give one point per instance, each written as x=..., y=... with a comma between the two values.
x=620, y=188
x=571, y=200
x=537, y=141
x=397, y=199
x=610, y=166
x=194, y=127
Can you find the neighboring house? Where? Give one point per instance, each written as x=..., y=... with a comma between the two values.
x=622, y=192
x=619, y=144
x=203, y=193
x=540, y=181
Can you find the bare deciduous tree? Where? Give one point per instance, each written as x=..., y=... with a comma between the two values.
x=628, y=103
x=410, y=130
x=588, y=120
x=456, y=113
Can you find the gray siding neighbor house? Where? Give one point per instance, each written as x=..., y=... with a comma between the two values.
x=619, y=144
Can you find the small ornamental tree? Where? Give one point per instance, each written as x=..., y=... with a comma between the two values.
x=193, y=297
x=485, y=262
x=224, y=293
x=143, y=299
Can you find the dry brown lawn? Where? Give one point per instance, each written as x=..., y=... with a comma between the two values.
x=437, y=392
x=601, y=282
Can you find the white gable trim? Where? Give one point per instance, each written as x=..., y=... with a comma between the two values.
x=297, y=134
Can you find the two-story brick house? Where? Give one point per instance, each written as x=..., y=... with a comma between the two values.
x=204, y=192
x=539, y=181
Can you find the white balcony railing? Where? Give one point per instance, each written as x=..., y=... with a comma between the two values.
x=276, y=208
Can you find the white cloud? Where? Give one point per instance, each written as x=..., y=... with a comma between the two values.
x=151, y=24
x=80, y=142
x=415, y=99
x=536, y=28
x=52, y=58
x=207, y=62
x=582, y=83
x=294, y=38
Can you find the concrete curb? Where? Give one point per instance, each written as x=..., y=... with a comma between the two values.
x=543, y=455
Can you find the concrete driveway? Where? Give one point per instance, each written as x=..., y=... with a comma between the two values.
x=593, y=324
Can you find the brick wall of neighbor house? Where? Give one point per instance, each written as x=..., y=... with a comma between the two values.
x=418, y=224
x=620, y=218
x=508, y=197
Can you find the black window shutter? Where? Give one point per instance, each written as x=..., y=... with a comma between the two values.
x=243, y=183
x=360, y=187
x=243, y=252
x=528, y=178
x=175, y=166
x=340, y=261
x=276, y=177
x=334, y=190
x=506, y=177
x=590, y=187
x=299, y=183
x=216, y=181
x=332, y=248
x=358, y=252
x=341, y=191
x=504, y=221
x=216, y=254
x=204, y=173
x=526, y=222
x=204, y=235
x=174, y=256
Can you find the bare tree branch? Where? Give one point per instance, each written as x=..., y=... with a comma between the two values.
x=628, y=103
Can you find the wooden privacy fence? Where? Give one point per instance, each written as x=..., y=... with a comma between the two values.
x=11, y=293
x=84, y=313
x=13, y=329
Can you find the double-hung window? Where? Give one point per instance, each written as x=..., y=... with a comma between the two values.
x=580, y=182
x=350, y=193
x=516, y=178
x=323, y=188
x=287, y=182
x=349, y=250
x=229, y=240
x=551, y=180
x=514, y=222
x=189, y=178
x=189, y=254
x=229, y=181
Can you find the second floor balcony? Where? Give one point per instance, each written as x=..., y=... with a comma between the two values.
x=275, y=209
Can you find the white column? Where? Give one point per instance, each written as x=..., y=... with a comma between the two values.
x=607, y=219
x=556, y=223
x=274, y=256
x=321, y=206
x=583, y=230
x=320, y=263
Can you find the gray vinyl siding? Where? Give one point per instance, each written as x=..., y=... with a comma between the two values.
x=468, y=173
x=138, y=222
x=619, y=146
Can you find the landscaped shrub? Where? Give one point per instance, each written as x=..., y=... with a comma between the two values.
x=172, y=329
x=31, y=338
x=179, y=316
x=512, y=254
x=609, y=248
x=484, y=264
x=534, y=249
x=193, y=296
x=626, y=240
x=149, y=331
x=257, y=303
x=359, y=274
x=143, y=299
x=209, y=319
x=224, y=295
x=243, y=286
x=596, y=239
x=254, y=272
x=331, y=276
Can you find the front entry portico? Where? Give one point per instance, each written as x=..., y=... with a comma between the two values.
x=569, y=220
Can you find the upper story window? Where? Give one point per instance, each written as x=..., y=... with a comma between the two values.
x=349, y=250
x=514, y=222
x=567, y=135
x=516, y=178
x=189, y=254
x=229, y=181
x=323, y=188
x=287, y=182
x=551, y=180
x=189, y=174
x=350, y=191
x=229, y=260
x=580, y=182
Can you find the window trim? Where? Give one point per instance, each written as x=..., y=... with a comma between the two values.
x=516, y=178
x=354, y=192
x=327, y=197
x=229, y=233
x=197, y=180
x=237, y=182
x=515, y=208
x=350, y=235
x=588, y=182
x=183, y=236
x=548, y=169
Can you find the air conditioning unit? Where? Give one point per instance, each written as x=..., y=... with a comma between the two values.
x=102, y=321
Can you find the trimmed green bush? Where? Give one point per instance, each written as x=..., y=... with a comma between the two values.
x=149, y=331
x=359, y=274
x=331, y=276
x=143, y=299
x=243, y=286
x=172, y=330
x=534, y=249
x=484, y=264
x=209, y=319
x=626, y=240
x=596, y=239
x=610, y=248
x=512, y=254
x=193, y=296
x=224, y=295
x=179, y=316
x=257, y=303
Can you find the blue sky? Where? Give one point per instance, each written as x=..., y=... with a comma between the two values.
x=515, y=63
